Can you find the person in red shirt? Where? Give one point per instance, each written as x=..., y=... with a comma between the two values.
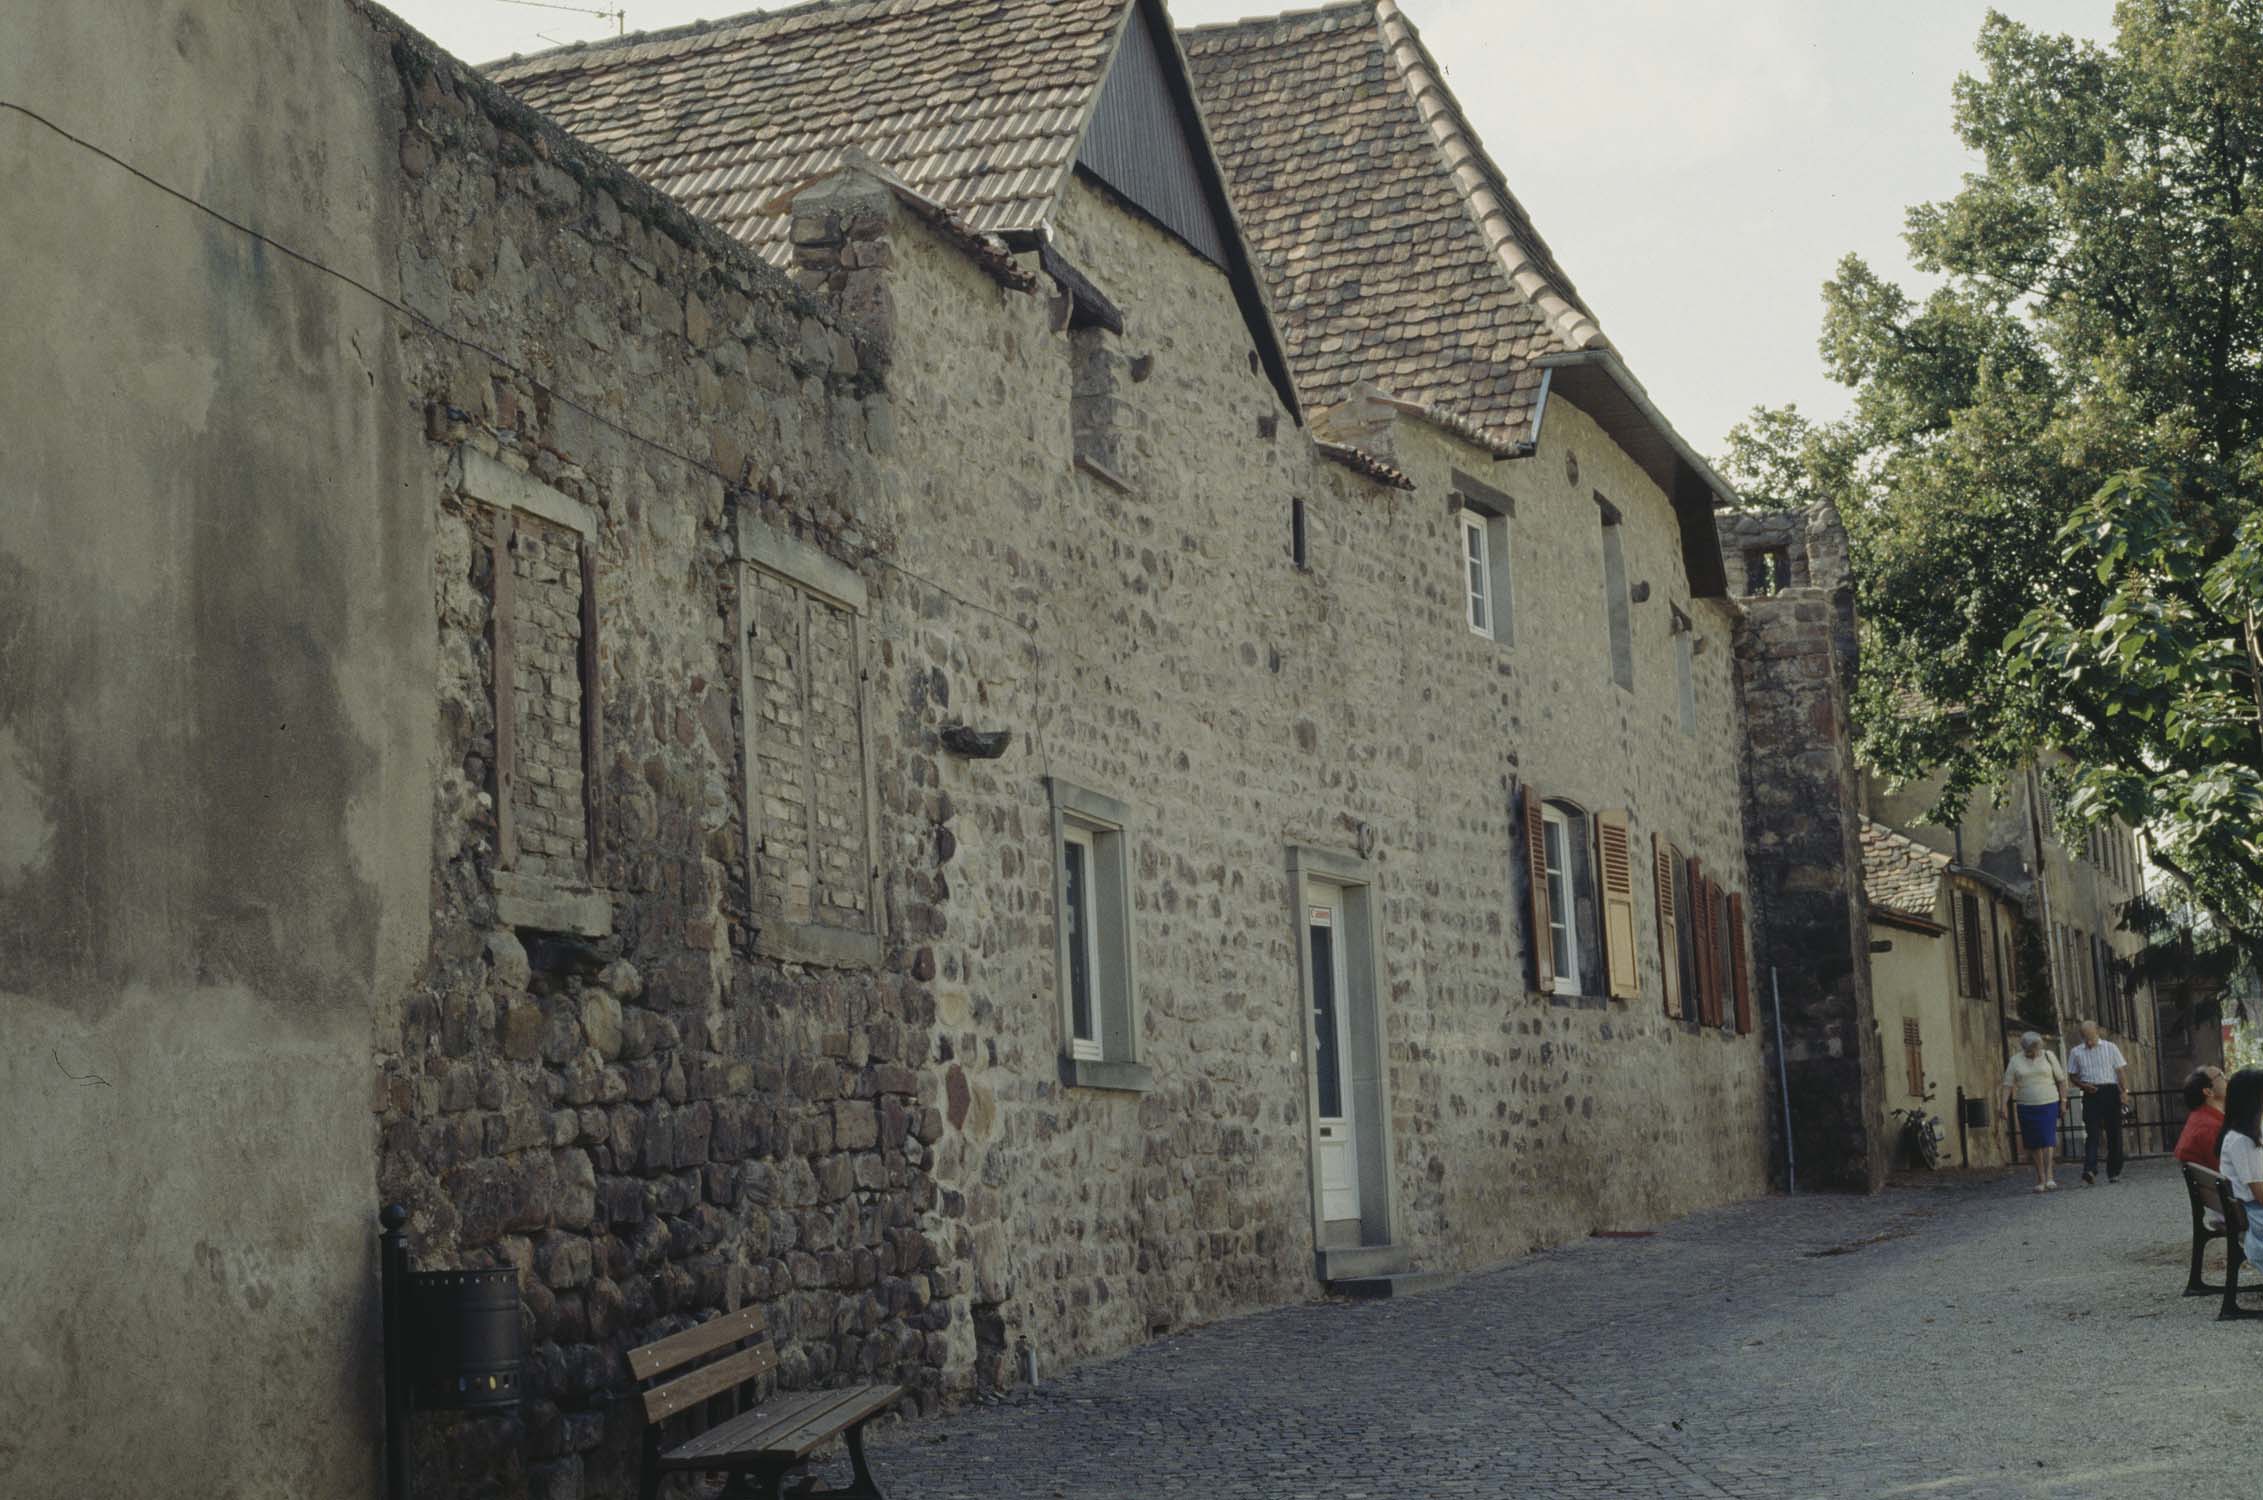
x=2204, y=1098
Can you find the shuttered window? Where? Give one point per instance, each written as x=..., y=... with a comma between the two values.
x=1913, y=1056
x=1615, y=873
x=1536, y=884
x=1972, y=961
x=1701, y=934
x=1717, y=926
x=1740, y=966
x=1662, y=871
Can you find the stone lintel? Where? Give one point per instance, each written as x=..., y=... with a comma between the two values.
x=546, y=906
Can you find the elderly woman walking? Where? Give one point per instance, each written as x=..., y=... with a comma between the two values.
x=2036, y=1085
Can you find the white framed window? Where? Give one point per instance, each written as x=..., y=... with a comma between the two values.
x=1477, y=574
x=1080, y=941
x=1563, y=943
x=1483, y=514
x=1099, y=994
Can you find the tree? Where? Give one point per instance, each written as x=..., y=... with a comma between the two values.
x=2049, y=473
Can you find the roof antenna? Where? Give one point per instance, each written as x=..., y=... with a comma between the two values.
x=618, y=15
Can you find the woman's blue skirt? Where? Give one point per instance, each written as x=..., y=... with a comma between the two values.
x=2039, y=1125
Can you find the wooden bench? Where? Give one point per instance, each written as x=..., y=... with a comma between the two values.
x=2235, y=1231
x=2201, y=1187
x=686, y=1377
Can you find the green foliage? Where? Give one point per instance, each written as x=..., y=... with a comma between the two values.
x=2047, y=470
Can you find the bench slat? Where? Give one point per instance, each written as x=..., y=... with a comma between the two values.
x=787, y=1426
x=665, y=1354
x=858, y=1403
x=664, y=1401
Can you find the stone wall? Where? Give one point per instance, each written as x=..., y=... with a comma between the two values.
x=1145, y=634
x=1803, y=840
x=603, y=1078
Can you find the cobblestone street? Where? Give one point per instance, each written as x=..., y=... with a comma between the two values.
x=1963, y=1338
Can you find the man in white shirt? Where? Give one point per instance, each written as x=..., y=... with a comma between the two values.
x=2102, y=1073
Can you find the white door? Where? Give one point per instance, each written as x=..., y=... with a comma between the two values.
x=1331, y=1060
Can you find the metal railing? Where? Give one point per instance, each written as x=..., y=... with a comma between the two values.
x=2158, y=1121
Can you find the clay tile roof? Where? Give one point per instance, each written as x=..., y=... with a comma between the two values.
x=1899, y=873
x=1394, y=250
x=1363, y=463
x=976, y=104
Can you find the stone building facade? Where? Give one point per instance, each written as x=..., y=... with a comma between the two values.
x=917, y=796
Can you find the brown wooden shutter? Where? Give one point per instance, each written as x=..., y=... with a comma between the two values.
x=1701, y=935
x=1715, y=914
x=1615, y=874
x=1741, y=966
x=1669, y=932
x=1536, y=863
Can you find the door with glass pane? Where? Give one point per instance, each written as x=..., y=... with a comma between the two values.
x=1335, y=1136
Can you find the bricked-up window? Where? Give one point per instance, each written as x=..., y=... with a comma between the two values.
x=542, y=638
x=1685, y=672
x=1099, y=992
x=813, y=879
x=1618, y=605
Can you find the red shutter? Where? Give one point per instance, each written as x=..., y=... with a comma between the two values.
x=1701, y=934
x=1536, y=865
x=1741, y=966
x=1669, y=934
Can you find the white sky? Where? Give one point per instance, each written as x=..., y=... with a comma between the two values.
x=1698, y=166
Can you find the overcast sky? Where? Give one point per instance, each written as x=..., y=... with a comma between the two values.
x=1698, y=166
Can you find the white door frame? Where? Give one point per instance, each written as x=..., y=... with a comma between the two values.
x=1365, y=1076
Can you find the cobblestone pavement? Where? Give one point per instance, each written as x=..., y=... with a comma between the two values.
x=1962, y=1338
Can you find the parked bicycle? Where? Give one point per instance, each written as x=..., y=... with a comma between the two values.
x=1921, y=1134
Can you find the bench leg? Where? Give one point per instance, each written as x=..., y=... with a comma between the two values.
x=2233, y=1260
x=861, y=1486
x=2195, y=1285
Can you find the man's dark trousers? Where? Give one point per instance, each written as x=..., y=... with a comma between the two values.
x=2102, y=1115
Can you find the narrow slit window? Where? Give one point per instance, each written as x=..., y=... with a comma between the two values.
x=1478, y=574
x=1300, y=542
x=1563, y=948
x=1617, y=606
x=1077, y=915
x=1685, y=672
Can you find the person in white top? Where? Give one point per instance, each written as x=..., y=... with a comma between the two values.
x=2035, y=1087
x=2240, y=1158
x=2102, y=1073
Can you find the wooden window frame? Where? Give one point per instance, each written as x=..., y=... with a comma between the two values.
x=1477, y=577
x=1563, y=901
x=1102, y=826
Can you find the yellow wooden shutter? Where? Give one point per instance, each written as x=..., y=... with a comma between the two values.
x=1669, y=933
x=1536, y=863
x=1615, y=866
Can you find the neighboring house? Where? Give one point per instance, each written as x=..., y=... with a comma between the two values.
x=1944, y=976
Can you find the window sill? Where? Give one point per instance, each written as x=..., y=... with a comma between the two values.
x=817, y=946
x=1122, y=1077
x=541, y=905
x=1563, y=1001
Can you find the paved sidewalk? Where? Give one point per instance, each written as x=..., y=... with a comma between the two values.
x=1964, y=1338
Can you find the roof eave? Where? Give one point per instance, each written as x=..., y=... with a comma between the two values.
x=1689, y=482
